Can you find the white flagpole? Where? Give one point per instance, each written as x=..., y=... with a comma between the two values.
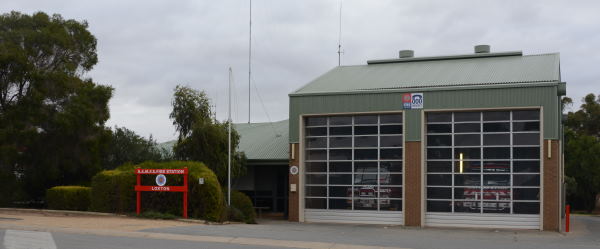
x=229, y=145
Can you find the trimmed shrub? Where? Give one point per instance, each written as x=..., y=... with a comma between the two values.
x=113, y=191
x=241, y=208
x=68, y=198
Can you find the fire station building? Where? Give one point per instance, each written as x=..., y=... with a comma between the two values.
x=470, y=140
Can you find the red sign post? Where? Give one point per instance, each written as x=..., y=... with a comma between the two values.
x=139, y=188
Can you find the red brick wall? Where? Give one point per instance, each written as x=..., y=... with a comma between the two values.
x=412, y=184
x=293, y=197
x=551, y=202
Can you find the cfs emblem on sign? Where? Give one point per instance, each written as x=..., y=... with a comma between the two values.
x=161, y=180
x=412, y=101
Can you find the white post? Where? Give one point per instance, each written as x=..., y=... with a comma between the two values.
x=229, y=145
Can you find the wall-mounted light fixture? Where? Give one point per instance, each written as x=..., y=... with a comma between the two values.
x=460, y=163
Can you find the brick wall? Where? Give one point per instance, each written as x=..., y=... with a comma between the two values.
x=551, y=187
x=412, y=184
x=293, y=198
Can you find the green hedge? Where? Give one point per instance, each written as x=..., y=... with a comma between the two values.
x=68, y=198
x=113, y=191
x=241, y=208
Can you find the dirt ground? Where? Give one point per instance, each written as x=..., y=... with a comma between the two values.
x=75, y=220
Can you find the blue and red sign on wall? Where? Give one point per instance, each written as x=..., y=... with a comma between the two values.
x=412, y=101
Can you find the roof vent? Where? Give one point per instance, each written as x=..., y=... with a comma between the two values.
x=482, y=49
x=407, y=53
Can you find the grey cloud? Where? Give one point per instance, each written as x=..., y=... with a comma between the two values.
x=148, y=47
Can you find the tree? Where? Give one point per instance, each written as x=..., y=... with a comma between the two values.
x=587, y=119
x=51, y=117
x=583, y=165
x=582, y=152
x=127, y=147
x=201, y=137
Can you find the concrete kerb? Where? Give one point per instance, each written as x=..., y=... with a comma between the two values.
x=60, y=212
x=91, y=214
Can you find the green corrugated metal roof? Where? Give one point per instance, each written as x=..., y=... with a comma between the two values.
x=264, y=141
x=259, y=141
x=493, y=68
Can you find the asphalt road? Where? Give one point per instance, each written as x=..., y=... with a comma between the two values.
x=79, y=241
x=585, y=234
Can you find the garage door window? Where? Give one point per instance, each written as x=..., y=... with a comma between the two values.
x=483, y=162
x=354, y=162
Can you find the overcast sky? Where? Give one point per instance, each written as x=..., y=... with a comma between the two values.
x=146, y=48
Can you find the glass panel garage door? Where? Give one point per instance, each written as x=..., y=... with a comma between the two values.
x=483, y=168
x=353, y=168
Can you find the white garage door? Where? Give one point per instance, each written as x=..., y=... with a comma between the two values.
x=483, y=169
x=353, y=169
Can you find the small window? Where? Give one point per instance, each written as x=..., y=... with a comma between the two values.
x=439, y=128
x=526, y=139
x=439, y=153
x=339, y=131
x=340, y=142
x=391, y=141
x=316, y=167
x=439, y=166
x=496, y=127
x=494, y=116
x=338, y=154
x=439, y=117
x=526, y=126
x=467, y=140
x=439, y=179
x=526, y=115
x=316, y=142
x=467, y=128
x=391, y=129
x=439, y=206
x=370, y=141
x=340, y=167
x=439, y=193
x=365, y=154
x=316, y=191
x=316, y=203
x=391, y=119
x=315, y=121
x=366, y=119
x=365, y=130
x=496, y=139
x=340, y=120
x=467, y=116
x=365, y=167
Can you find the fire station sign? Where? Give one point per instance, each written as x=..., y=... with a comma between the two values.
x=161, y=180
x=412, y=101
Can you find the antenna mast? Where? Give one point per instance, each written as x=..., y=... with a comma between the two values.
x=249, y=59
x=339, y=52
x=229, y=141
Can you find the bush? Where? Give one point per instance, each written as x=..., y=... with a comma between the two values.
x=241, y=208
x=113, y=191
x=68, y=198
